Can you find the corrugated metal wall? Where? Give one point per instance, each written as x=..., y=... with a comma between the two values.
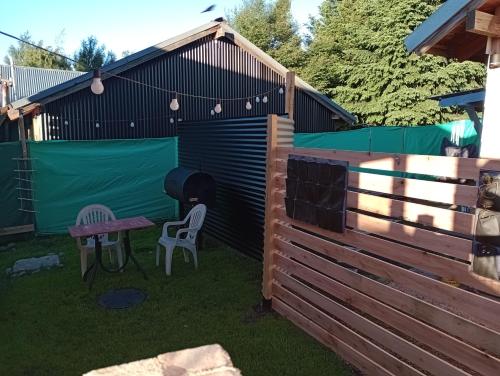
x=234, y=153
x=206, y=67
x=30, y=80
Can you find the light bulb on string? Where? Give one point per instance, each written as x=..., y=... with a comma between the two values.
x=96, y=86
x=218, y=108
x=132, y=125
x=281, y=90
x=257, y=99
x=264, y=99
x=174, y=105
x=172, y=120
x=248, y=106
x=212, y=112
x=97, y=125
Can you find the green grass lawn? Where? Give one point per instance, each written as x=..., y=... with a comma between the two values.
x=50, y=324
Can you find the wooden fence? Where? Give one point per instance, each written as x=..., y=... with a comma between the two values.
x=380, y=294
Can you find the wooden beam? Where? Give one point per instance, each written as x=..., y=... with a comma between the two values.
x=483, y=23
x=16, y=230
x=22, y=135
x=290, y=94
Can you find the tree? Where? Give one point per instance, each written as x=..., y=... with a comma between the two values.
x=271, y=27
x=91, y=55
x=25, y=55
x=357, y=56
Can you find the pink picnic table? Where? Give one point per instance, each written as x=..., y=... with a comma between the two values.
x=95, y=229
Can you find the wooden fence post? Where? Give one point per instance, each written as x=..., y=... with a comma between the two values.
x=290, y=94
x=279, y=134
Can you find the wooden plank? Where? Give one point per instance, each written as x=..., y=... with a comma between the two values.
x=479, y=308
x=483, y=24
x=344, y=333
x=16, y=230
x=290, y=94
x=420, y=259
x=22, y=136
x=477, y=335
x=433, y=241
x=452, y=167
x=348, y=353
x=392, y=342
x=426, y=215
x=440, y=192
x=419, y=331
x=272, y=139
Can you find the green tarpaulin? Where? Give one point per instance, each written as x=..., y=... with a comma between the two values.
x=10, y=215
x=125, y=175
x=424, y=140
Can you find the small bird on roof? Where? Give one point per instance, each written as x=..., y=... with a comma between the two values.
x=209, y=9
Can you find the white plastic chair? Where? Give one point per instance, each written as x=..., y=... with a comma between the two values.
x=96, y=214
x=195, y=217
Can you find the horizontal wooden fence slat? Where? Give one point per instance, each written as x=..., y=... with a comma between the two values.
x=439, y=192
x=452, y=167
x=423, y=333
x=433, y=241
x=352, y=338
x=480, y=336
x=364, y=363
x=392, y=342
x=426, y=215
x=481, y=309
x=439, y=265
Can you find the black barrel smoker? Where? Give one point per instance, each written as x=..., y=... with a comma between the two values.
x=190, y=187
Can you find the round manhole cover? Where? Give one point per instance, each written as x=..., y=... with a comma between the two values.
x=121, y=298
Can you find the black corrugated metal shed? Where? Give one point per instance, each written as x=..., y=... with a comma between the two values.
x=212, y=60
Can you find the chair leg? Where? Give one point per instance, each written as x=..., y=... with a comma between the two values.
x=168, y=260
x=119, y=255
x=195, y=255
x=157, y=255
x=83, y=260
x=186, y=255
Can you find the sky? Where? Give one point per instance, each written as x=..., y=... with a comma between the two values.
x=120, y=24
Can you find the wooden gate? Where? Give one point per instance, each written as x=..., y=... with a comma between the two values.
x=393, y=294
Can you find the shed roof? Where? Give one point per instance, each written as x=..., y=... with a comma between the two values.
x=31, y=80
x=445, y=31
x=172, y=44
x=473, y=97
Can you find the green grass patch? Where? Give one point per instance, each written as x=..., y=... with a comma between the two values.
x=50, y=324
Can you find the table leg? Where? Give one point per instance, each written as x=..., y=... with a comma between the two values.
x=128, y=252
x=92, y=270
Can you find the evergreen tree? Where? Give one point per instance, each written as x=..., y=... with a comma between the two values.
x=92, y=56
x=357, y=56
x=271, y=27
x=25, y=55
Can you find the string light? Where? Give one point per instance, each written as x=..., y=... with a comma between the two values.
x=212, y=112
x=97, y=125
x=218, y=108
x=132, y=125
x=96, y=86
x=264, y=100
x=248, y=106
x=172, y=120
x=174, y=105
x=257, y=99
x=281, y=90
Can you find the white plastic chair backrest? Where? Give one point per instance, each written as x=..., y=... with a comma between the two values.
x=95, y=214
x=196, y=217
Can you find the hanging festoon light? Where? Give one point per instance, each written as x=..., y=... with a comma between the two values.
x=264, y=99
x=212, y=112
x=218, y=108
x=96, y=86
x=257, y=99
x=281, y=91
x=174, y=105
x=132, y=125
x=97, y=125
x=248, y=106
x=171, y=120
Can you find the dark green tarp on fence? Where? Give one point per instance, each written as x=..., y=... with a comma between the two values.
x=424, y=140
x=125, y=175
x=10, y=215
